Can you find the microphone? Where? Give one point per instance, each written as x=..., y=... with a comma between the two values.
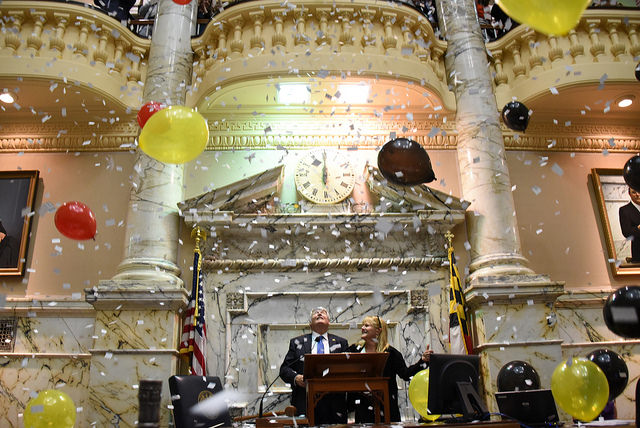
x=274, y=381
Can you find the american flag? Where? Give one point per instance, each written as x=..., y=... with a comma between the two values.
x=194, y=330
x=459, y=338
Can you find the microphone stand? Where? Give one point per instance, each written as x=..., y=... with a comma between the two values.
x=274, y=381
x=265, y=394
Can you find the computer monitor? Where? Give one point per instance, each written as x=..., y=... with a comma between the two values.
x=533, y=407
x=453, y=387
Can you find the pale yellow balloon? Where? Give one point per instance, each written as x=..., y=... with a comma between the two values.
x=176, y=134
x=50, y=409
x=553, y=17
x=419, y=394
x=580, y=388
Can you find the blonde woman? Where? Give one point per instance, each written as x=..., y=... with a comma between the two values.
x=374, y=338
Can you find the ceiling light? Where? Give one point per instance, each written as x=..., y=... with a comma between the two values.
x=625, y=101
x=353, y=94
x=7, y=97
x=293, y=93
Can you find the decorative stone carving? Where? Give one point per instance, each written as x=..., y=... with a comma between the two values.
x=418, y=300
x=236, y=303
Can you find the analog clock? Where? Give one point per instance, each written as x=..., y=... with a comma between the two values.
x=325, y=176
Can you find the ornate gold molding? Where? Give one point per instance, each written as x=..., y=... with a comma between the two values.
x=286, y=265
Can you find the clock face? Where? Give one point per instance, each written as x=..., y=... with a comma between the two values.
x=325, y=177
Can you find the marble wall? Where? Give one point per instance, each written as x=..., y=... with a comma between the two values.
x=51, y=351
x=255, y=315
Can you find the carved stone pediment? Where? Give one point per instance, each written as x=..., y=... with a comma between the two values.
x=246, y=231
x=249, y=195
x=396, y=198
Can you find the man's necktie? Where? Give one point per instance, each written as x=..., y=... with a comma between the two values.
x=320, y=348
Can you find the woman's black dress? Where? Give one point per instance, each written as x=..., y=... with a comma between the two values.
x=395, y=366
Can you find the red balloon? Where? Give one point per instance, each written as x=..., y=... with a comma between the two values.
x=148, y=110
x=183, y=2
x=75, y=220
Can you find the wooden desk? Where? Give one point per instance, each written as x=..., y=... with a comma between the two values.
x=378, y=386
x=280, y=421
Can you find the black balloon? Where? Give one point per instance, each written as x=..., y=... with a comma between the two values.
x=622, y=312
x=638, y=71
x=516, y=116
x=631, y=173
x=518, y=376
x=614, y=368
x=403, y=161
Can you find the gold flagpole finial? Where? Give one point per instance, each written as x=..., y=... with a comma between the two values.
x=199, y=235
x=449, y=237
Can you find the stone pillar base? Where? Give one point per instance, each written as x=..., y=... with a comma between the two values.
x=136, y=336
x=512, y=319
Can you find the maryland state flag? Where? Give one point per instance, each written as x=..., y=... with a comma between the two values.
x=459, y=338
x=194, y=330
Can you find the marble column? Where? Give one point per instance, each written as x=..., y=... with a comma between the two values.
x=151, y=241
x=138, y=323
x=491, y=221
x=510, y=307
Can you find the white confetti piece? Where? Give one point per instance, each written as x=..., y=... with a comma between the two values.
x=557, y=169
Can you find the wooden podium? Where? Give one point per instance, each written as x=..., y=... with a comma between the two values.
x=350, y=372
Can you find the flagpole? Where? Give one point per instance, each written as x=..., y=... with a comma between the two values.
x=449, y=237
x=189, y=343
x=197, y=234
x=459, y=334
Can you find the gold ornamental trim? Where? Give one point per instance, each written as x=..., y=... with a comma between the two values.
x=287, y=265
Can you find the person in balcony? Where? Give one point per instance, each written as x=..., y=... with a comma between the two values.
x=502, y=22
x=118, y=9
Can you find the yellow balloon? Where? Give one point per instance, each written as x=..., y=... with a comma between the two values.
x=580, y=388
x=553, y=17
x=50, y=409
x=419, y=393
x=176, y=134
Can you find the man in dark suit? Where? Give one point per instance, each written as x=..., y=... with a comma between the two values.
x=332, y=408
x=630, y=223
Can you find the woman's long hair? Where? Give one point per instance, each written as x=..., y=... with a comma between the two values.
x=383, y=341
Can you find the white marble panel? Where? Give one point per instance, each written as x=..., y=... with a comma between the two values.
x=21, y=378
x=583, y=324
x=514, y=323
x=54, y=334
x=113, y=389
x=135, y=329
x=384, y=237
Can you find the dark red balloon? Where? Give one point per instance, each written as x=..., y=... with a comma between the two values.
x=405, y=162
x=631, y=173
x=517, y=376
x=621, y=312
x=516, y=116
x=182, y=2
x=148, y=110
x=75, y=220
x=614, y=368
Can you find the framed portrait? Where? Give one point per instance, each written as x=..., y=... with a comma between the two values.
x=620, y=220
x=18, y=190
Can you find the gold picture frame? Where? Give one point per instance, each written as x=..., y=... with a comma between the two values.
x=612, y=193
x=18, y=190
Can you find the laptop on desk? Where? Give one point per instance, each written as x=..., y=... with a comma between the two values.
x=535, y=407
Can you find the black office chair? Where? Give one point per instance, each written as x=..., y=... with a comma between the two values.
x=186, y=392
